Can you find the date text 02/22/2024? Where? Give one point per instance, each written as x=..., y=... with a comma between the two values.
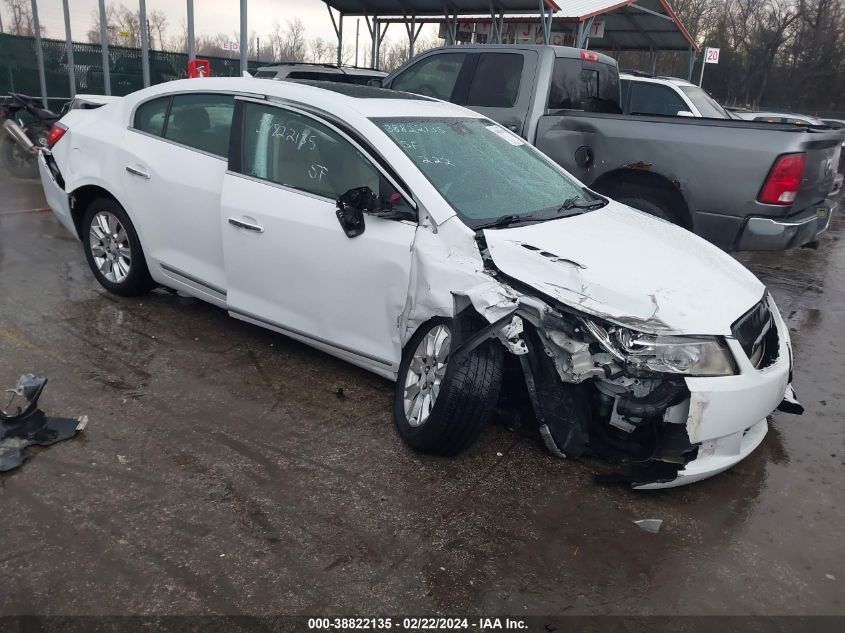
x=416, y=624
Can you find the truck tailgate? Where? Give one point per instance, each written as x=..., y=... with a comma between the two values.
x=822, y=151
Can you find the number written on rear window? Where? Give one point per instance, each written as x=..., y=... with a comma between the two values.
x=296, y=151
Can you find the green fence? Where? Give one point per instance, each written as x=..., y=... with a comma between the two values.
x=19, y=67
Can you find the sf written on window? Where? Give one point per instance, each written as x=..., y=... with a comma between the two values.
x=296, y=151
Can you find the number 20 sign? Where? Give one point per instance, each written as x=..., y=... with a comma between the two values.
x=711, y=56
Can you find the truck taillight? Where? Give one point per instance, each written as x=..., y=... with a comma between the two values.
x=56, y=132
x=784, y=179
x=589, y=56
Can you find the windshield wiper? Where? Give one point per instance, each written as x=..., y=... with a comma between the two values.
x=505, y=220
x=587, y=205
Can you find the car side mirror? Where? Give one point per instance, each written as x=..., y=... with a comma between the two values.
x=351, y=207
x=685, y=113
x=375, y=83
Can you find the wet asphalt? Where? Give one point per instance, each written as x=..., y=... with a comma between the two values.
x=220, y=474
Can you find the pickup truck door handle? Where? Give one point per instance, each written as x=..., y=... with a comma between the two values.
x=137, y=172
x=246, y=225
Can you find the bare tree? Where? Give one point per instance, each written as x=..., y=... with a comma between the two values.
x=21, y=23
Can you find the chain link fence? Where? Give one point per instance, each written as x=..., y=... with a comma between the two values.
x=19, y=68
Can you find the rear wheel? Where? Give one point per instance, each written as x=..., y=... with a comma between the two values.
x=113, y=249
x=441, y=405
x=655, y=201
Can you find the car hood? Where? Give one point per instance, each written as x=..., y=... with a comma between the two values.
x=630, y=268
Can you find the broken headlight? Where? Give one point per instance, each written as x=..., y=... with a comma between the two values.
x=686, y=355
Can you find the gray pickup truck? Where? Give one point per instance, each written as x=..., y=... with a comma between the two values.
x=742, y=185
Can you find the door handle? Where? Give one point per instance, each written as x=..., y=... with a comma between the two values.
x=137, y=172
x=246, y=225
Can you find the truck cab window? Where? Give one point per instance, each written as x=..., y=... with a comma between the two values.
x=496, y=80
x=434, y=76
x=581, y=85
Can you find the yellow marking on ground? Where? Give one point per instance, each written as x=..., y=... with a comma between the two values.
x=20, y=211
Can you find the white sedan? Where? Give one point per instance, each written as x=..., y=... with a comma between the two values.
x=427, y=244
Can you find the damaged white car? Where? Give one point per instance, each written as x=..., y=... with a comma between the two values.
x=428, y=244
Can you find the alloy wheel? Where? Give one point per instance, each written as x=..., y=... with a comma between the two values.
x=425, y=375
x=110, y=247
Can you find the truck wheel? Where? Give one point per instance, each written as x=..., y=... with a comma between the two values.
x=440, y=406
x=113, y=249
x=654, y=201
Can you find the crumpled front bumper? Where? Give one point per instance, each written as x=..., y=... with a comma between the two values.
x=727, y=414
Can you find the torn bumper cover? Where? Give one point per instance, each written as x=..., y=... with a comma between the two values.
x=666, y=429
x=26, y=425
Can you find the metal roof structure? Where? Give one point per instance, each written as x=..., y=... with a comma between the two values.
x=427, y=8
x=630, y=24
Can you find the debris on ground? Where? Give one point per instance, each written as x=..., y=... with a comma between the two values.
x=650, y=525
x=24, y=425
x=339, y=393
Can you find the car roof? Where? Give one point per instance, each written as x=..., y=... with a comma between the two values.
x=657, y=80
x=782, y=115
x=335, y=98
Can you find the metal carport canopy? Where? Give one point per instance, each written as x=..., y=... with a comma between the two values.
x=444, y=8
x=632, y=25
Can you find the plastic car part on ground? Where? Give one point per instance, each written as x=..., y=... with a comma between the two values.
x=26, y=425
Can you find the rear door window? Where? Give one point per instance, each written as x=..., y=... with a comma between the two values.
x=496, y=80
x=655, y=99
x=583, y=85
x=201, y=121
x=434, y=76
x=149, y=116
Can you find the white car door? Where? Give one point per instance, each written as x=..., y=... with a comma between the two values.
x=289, y=264
x=173, y=174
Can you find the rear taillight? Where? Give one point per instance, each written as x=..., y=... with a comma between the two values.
x=56, y=132
x=589, y=56
x=784, y=179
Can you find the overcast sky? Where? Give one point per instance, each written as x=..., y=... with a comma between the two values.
x=211, y=16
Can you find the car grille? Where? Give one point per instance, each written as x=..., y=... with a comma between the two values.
x=757, y=335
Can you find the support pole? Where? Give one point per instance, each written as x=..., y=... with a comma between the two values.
x=244, y=45
x=357, y=36
x=413, y=33
x=71, y=67
x=451, y=30
x=104, y=47
x=192, y=43
x=145, y=42
x=653, y=61
x=690, y=63
x=39, y=54
x=338, y=30
x=703, y=64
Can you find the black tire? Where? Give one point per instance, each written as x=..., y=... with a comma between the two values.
x=19, y=162
x=467, y=396
x=137, y=280
x=654, y=201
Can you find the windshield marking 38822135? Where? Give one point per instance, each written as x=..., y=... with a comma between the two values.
x=484, y=171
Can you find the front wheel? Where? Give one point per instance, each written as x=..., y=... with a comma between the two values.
x=19, y=162
x=441, y=405
x=113, y=249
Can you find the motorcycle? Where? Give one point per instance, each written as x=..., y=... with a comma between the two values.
x=27, y=125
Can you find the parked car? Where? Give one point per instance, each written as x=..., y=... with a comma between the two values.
x=741, y=185
x=786, y=118
x=319, y=72
x=424, y=242
x=666, y=96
